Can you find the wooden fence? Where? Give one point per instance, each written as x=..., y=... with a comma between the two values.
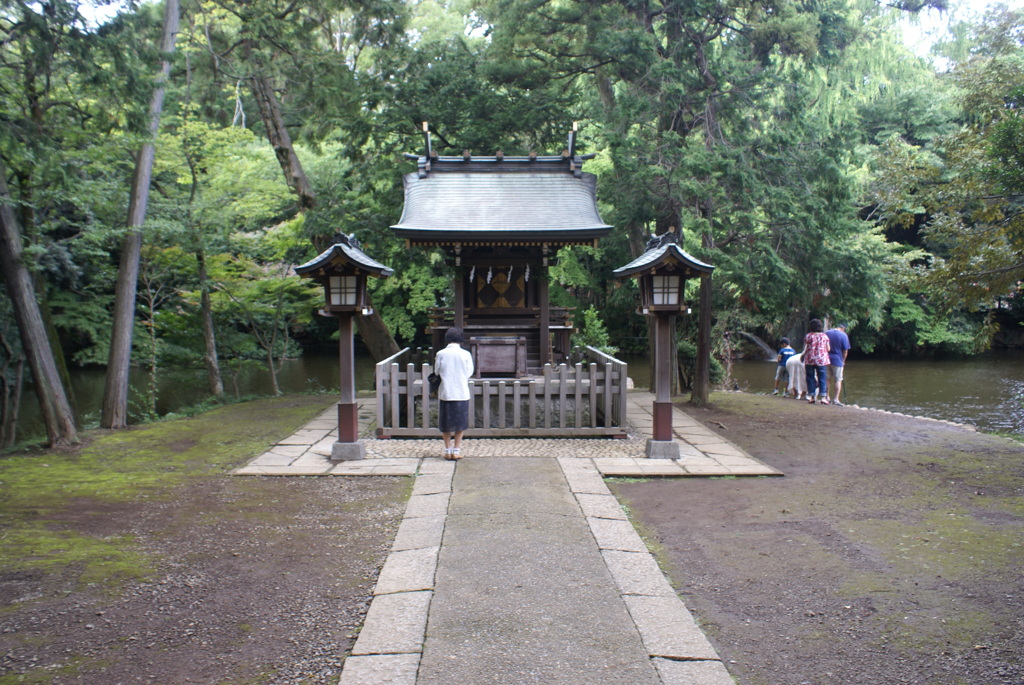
x=587, y=399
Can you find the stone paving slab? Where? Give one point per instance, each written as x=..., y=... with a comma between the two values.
x=305, y=437
x=437, y=467
x=427, y=505
x=381, y=669
x=371, y=467
x=637, y=573
x=615, y=534
x=278, y=471
x=588, y=482
x=659, y=467
x=703, y=452
x=394, y=624
x=690, y=672
x=323, y=424
x=600, y=506
x=707, y=470
x=419, y=533
x=290, y=451
x=272, y=459
x=688, y=451
x=667, y=628
x=432, y=483
x=312, y=463
x=408, y=571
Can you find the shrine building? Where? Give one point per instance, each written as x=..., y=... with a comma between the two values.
x=501, y=221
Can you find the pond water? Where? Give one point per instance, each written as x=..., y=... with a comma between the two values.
x=986, y=391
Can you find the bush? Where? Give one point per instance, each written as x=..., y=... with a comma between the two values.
x=687, y=352
x=593, y=333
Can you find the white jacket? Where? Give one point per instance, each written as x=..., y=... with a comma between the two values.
x=454, y=365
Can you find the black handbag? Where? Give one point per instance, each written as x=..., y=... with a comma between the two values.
x=434, y=381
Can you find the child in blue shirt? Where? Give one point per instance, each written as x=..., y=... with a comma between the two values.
x=781, y=375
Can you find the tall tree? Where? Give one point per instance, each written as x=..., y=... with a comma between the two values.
x=57, y=414
x=67, y=96
x=312, y=49
x=115, y=394
x=966, y=188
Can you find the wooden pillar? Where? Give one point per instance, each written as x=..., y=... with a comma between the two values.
x=348, y=446
x=459, y=302
x=662, y=377
x=702, y=372
x=348, y=414
x=545, y=319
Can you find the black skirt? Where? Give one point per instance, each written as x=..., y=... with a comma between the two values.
x=453, y=417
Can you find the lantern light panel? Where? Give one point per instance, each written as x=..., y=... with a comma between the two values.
x=344, y=290
x=665, y=291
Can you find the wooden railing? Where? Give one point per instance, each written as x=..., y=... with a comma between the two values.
x=587, y=399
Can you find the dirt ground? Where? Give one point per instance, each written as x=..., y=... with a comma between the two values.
x=231, y=579
x=260, y=580
x=891, y=552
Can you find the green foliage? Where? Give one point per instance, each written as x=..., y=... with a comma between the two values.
x=593, y=333
x=687, y=352
x=964, y=189
x=798, y=147
x=912, y=327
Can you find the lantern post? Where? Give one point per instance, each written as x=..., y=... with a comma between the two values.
x=342, y=270
x=661, y=273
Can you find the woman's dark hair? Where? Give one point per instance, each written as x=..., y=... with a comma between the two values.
x=454, y=335
x=816, y=326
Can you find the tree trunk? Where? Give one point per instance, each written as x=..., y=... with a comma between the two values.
x=376, y=336
x=281, y=141
x=27, y=216
x=115, y=393
x=375, y=333
x=11, y=399
x=53, y=402
x=209, y=336
x=702, y=372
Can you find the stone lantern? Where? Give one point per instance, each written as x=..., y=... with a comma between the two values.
x=661, y=272
x=342, y=270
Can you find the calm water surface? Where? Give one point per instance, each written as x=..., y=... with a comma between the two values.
x=985, y=391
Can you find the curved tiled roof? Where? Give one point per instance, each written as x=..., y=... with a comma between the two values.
x=535, y=205
x=668, y=250
x=348, y=253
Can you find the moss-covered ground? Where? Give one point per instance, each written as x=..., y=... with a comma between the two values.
x=891, y=552
x=136, y=557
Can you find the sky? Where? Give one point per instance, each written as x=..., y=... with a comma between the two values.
x=930, y=24
x=918, y=33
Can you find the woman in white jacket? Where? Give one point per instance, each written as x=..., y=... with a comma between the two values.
x=454, y=365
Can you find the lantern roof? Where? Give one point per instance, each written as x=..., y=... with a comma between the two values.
x=345, y=251
x=491, y=199
x=663, y=250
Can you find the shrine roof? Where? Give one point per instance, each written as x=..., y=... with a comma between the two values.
x=656, y=255
x=344, y=251
x=531, y=199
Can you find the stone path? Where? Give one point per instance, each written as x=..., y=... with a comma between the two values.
x=524, y=570
x=703, y=452
x=517, y=564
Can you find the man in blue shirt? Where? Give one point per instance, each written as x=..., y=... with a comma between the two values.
x=840, y=345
